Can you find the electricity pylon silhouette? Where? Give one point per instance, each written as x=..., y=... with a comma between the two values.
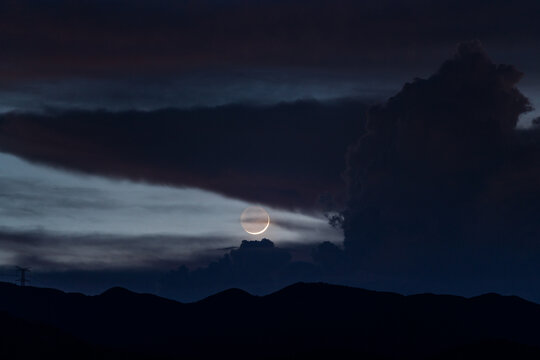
x=22, y=275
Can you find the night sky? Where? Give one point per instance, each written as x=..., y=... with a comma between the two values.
x=393, y=143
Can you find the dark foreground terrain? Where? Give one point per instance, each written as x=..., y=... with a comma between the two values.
x=302, y=321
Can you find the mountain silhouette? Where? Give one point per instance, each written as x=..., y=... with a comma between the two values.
x=305, y=320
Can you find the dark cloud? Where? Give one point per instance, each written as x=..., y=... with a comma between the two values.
x=331, y=259
x=84, y=39
x=286, y=155
x=443, y=190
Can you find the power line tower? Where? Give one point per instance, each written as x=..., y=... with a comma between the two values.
x=23, y=278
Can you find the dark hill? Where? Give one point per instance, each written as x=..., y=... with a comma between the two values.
x=300, y=321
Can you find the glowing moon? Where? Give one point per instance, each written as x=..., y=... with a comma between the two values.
x=255, y=220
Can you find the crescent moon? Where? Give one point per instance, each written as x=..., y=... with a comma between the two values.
x=255, y=220
x=263, y=230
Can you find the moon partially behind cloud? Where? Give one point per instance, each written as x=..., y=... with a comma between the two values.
x=255, y=220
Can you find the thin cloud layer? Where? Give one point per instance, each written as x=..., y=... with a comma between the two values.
x=52, y=252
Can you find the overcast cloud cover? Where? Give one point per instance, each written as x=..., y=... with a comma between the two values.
x=133, y=133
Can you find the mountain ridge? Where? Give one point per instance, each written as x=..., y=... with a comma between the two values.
x=304, y=318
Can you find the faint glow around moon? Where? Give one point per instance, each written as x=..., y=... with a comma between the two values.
x=255, y=220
